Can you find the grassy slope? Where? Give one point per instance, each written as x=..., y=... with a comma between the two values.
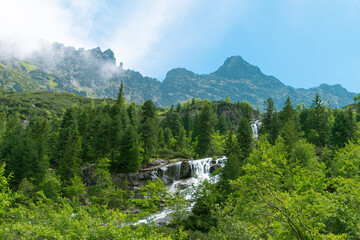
x=42, y=103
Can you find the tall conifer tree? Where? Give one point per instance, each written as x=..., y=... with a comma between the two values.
x=148, y=128
x=244, y=137
x=205, y=127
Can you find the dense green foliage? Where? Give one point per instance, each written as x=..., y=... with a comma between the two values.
x=64, y=136
x=45, y=104
x=299, y=179
x=301, y=183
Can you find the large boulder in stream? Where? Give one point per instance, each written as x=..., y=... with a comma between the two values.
x=185, y=170
x=173, y=171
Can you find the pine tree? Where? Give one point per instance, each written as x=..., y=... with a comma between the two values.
x=205, y=129
x=161, y=138
x=130, y=151
x=274, y=128
x=270, y=122
x=288, y=112
x=103, y=134
x=120, y=120
x=37, y=138
x=187, y=122
x=244, y=137
x=13, y=153
x=231, y=144
x=70, y=161
x=172, y=121
x=120, y=98
x=178, y=107
x=117, y=127
x=167, y=136
x=344, y=128
x=269, y=113
x=148, y=127
x=290, y=123
x=148, y=110
x=83, y=127
x=181, y=139
x=318, y=123
x=25, y=151
x=133, y=115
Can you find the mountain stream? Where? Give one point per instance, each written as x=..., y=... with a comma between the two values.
x=200, y=170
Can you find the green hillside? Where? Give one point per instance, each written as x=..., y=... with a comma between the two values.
x=43, y=103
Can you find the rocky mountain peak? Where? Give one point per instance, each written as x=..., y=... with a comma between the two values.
x=176, y=72
x=94, y=73
x=236, y=67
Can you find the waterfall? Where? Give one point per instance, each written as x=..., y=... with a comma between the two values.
x=170, y=172
x=200, y=170
x=255, y=128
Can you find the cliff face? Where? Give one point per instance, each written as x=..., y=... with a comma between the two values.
x=94, y=73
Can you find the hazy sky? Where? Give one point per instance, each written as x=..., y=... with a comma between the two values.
x=301, y=42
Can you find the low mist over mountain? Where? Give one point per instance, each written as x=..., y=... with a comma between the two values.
x=94, y=73
x=91, y=73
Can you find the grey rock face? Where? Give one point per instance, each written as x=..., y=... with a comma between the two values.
x=242, y=81
x=185, y=170
x=94, y=73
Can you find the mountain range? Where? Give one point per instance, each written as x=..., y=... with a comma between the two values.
x=94, y=73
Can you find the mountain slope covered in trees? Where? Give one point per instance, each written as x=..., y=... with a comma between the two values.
x=298, y=180
x=94, y=73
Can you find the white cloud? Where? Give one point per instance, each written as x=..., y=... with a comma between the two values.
x=142, y=23
x=145, y=24
x=139, y=31
x=25, y=22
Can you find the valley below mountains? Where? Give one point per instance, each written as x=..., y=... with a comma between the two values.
x=94, y=73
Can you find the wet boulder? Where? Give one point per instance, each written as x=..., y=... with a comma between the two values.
x=173, y=171
x=185, y=170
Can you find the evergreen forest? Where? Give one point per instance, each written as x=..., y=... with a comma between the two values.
x=299, y=178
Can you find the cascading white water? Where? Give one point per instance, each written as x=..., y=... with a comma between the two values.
x=200, y=170
x=255, y=128
x=176, y=170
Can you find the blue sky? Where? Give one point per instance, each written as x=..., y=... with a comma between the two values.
x=301, y=42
